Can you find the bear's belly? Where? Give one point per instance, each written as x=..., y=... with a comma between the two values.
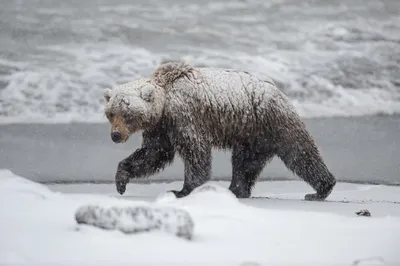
x=218, y=128
x=225, y=134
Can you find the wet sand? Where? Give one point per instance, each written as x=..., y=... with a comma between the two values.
x=363, y=150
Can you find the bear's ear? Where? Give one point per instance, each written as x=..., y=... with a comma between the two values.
x=147, y=93
x=107, y=94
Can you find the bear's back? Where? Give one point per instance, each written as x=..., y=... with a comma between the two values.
x=222, y=104
x=214, y=88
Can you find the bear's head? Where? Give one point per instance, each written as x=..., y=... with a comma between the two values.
x=132, y=107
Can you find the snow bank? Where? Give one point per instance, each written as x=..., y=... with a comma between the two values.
x=38, y=227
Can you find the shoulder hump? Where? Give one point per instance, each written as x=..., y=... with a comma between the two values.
x=167, y=73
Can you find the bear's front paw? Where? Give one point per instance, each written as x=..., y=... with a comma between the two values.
x=180, y=194
x=121, y=179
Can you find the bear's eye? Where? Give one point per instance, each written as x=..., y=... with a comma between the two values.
x=110, y=115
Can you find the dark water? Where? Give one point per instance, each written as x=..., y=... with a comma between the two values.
x=331, y=57
x=362, y=150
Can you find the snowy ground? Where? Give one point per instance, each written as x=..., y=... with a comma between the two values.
x=37, y=226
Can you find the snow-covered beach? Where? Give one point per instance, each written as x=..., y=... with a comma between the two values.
x=38, y=226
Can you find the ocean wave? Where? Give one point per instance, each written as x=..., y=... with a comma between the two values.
x=327, y=62
x=71, y=91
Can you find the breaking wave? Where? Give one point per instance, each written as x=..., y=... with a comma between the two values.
x=330, y=60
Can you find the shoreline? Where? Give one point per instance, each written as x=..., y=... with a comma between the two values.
x=358, y=149
x=216, y=179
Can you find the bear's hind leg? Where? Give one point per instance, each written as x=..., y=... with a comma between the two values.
x=248, y=162
x=300, y=154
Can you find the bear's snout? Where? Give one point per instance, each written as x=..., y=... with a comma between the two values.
x=116, y=136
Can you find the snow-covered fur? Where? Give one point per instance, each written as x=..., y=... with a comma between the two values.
x=192, y=110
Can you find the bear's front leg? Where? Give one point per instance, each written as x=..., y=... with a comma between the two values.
x=142, y=163
x=197, y=161
x=248, y=161
x=122, y=179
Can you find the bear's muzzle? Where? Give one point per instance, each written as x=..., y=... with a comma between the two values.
x=116, y=136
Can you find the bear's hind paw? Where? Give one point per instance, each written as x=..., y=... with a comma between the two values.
x=315, y=197
x=322, y=192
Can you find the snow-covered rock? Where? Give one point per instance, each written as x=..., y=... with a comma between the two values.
x=137, y=219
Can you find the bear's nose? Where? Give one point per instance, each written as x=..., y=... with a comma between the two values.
x=116, y=136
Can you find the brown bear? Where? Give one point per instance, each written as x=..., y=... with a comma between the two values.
x=188, y=110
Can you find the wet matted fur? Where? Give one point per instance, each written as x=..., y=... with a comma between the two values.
x=186, y=110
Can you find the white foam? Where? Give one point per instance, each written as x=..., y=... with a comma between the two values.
x=71, y=91
x=328, y=67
